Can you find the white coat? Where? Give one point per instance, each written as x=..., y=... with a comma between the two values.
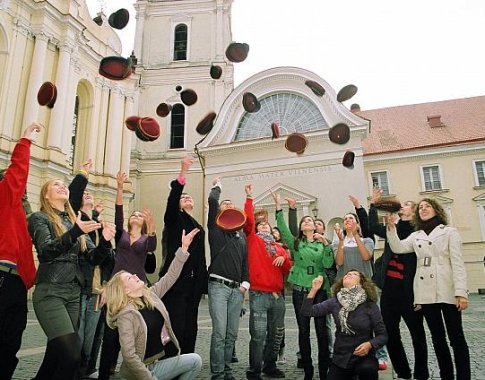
x=440, y=273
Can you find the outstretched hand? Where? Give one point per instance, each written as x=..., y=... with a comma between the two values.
x=121, y=178
x=187, y=238
x=355, y=201
x=248, y=189
x=29, y=132
x=87, y=165
x=86, y=226
x=186, y=163
x=376, y=194
x=109, y=231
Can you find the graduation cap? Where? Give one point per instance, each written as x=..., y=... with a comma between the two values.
x=339, y=133
x=296, y=143
x=315, y=87
x=206, y=124
x=388, y=204
x=348, y=159
x=47, y=94
x=237, y=52
x=250, y=102
x=231, y=219
x=119, y=19
x=215, y=72
x=188, y=97
x=131, y=122
x=148, y=129
x=115, y=68
x=275, y=130
x=163, y=109
x=346, y=93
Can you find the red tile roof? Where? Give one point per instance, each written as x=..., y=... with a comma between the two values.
x=406, y=127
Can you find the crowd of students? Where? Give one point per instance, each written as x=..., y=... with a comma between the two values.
x=89, y=290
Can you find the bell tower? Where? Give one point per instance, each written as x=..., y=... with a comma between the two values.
x=176, y=43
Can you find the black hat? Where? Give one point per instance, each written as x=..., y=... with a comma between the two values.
x=206, y=124
x=315, y=87
x=296, y=143
x=47, y=94
x=188, y=97
x=339, y=133
x=215, y=72
x=237, y=52
x=388, y=204
x=119, y=19
x=348, y=159
x=250, y=102
x=275, y=130
x=346, y=93
x=115, y=68
x=163, y=109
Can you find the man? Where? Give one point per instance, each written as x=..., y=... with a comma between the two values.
x=17, y=269
x=268, y=264
x=182, y=300
x=394, y=274
x=228, y=282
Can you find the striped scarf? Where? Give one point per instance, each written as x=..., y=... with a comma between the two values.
x=349, y=298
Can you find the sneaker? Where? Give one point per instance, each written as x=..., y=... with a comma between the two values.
x=281, y=359
x=274, y=372
x=382, y=365
x=92, y=375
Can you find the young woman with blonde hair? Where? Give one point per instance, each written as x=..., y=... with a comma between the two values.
x=60, y=238
x=144, y=323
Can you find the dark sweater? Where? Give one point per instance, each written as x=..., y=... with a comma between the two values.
x=229, y=253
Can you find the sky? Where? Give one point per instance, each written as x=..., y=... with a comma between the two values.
x=395, y=52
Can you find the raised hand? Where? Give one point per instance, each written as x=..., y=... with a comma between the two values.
x=88, y=225
x=339, y=232
x=248, y=189
x=109, y=231
x=121, y=178
x=291, y=202
x=185, y=165
x=29, y=132
x=86, y=166
x=355, y=201
x=99, y=208
x=376, y=194
x=216, y=181
x=148, y=216
x=277, y=199
x=187, y=238
x=390, y=222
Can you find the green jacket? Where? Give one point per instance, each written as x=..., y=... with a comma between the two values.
x=309, y=260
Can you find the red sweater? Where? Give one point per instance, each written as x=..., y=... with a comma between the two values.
x=263, y=275
x=15, y=242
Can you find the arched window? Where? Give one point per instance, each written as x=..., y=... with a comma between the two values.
x=177, y=129
x=180, y=43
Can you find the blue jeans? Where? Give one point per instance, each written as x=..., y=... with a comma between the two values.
x=185, y=366
x=224, y=307
x=88, y=321
x=267, y=327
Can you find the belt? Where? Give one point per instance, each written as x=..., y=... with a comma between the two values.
x=299, y=288
x=8, y=269
x=231, y=284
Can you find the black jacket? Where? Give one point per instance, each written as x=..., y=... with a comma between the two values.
x=193, y=278
x=404, y=229
x=59, y=256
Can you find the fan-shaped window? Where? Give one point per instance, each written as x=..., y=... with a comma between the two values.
x=180, y=43
x=177, y=129
x=292, y=112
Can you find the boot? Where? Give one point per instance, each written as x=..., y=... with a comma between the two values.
x=308, y=373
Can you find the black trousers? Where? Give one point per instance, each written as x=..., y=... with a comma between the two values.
x=434, y=315
x=183, y=310
x=110, y=349
x=365, y=368
x=13, y=320
x=304, y=335
x=395, y=304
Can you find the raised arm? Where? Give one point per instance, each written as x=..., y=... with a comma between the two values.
x=176, y=188
x=121, y=178
x=363, y=217
x=398, y=246
x=249, y=228
x=151, y=243
x=374, y=226
x=213, y=201
x=286, y=234
x=78, y=185
x=292, y=216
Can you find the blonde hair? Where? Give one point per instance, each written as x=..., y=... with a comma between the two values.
x=117, y=299
x=53, y=215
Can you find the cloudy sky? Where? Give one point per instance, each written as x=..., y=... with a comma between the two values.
x=395, y=52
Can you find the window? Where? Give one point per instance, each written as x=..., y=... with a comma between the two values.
x=180, y=43
x=379, y=179
x=431, y=178
x=75, y=120
x=177, y=129
x=480, y=172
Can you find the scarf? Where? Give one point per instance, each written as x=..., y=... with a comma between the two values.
x=349, y=298
x=429, y=225
x=268, y=240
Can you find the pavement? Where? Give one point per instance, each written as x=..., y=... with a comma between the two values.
x=34, y=341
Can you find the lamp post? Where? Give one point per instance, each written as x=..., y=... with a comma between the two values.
x=315, y=211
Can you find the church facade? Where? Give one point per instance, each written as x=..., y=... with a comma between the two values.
x=176, y=43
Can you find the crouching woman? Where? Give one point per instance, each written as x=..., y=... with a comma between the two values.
x=360, y=329
x=144, y=324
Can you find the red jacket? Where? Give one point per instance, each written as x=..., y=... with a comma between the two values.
x=263, y=275
x=15, y=242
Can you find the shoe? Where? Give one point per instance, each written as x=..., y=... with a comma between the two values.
x=253, y=376
x=404, y=378
x=299, y=363
x=274, y=372
x=281, y=360
x=92, y=375
x=382, y=365
x=234, y=359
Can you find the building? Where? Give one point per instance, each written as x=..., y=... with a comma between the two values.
x=176, y=43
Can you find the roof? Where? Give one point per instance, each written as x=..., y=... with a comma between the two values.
x=406, y=127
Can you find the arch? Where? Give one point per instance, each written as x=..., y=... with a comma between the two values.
x=180, y=42
x=3, y=53
x=81, y=123
x=177, y=127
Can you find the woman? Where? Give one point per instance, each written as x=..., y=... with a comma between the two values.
x=360, y=329
x=310, y=258
x=132, y=248
x=440, y=286
x=144, y=324
x=59, y=238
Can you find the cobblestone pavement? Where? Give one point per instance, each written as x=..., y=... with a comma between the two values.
x=34, y=341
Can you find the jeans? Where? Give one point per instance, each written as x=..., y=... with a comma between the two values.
x=304, y=335
x=434, y=315
x=88, y=321
x=13, y=320
x=224, y=308
x=394, y=306
x=185, y=367
x=267, y=327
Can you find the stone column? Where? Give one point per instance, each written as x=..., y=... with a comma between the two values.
x=101, y=128
x=220, y=30
x=58, y=118
x=114, y=132
x=92, y=138
x=31, y=107
x=127, y=136
x=140, y=25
